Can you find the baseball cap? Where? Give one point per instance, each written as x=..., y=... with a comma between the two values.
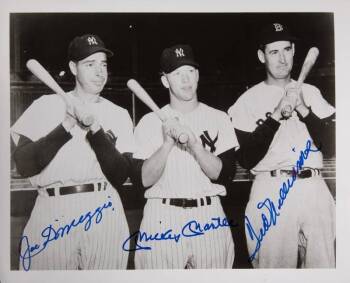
x=177, y=56
x=275, y=32
x=85, y=45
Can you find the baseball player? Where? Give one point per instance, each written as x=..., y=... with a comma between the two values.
x=68, y=162
x=270, y=146
x=184, y=181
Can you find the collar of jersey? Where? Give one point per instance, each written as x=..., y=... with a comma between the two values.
x=276, y=86
x=98, y=100
x=180, y=114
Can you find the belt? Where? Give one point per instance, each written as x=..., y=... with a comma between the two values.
x=187, y=203
x=302, y=174
x=84, y=188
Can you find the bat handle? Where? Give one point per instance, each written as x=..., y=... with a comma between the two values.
x=307, y=65
x=85, y=120
x=183, y=138
x=287, y=111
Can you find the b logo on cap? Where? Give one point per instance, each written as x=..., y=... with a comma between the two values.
x=92, y=40
x=179, y=52
x=278, y=27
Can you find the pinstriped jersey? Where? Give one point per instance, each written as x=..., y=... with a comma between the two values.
x=75, y=162
x=258, y=102
x=182, y=176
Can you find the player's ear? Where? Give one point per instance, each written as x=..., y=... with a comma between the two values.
x=73, y=67
x=293, y=48
x=164, y=80
x=197, y=74
x=261, y=56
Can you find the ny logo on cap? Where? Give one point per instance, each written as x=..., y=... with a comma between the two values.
x=278, y=27
x=179, y=52
x=92, y=40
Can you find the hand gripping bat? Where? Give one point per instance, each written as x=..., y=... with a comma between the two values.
x=141, y=93
x=43, y=75
x=309, y=61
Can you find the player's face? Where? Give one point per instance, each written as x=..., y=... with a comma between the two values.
x=278, y=59
x=91, y=73
x=183, y=83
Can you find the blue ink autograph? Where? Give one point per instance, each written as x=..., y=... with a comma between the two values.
x=190, y=229
x=271, y=218
x=50, y=234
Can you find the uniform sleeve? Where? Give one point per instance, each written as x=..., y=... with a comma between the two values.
x=147, y=137
x=254, y=145
x=322, y=132
x=314, y=99
x=240, y=116
x=227, y=136
x=40, y=118
x=114, y=165
x=321, y=120
x=125, y=141
x=32, y=157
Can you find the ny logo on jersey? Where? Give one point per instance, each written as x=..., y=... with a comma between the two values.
x=111, y=136
x=92, y=40
x=278, y=27
x=207, y=140
x=179, y=52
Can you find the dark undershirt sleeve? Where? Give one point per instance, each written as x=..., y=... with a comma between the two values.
x=136, y=173
x=115, y=166
x=254, y=145
x=32, y=157
x=228, y=170
x=320, y=131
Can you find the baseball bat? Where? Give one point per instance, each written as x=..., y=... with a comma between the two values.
x=141, y=93
x=44, y=76
x=309, y=62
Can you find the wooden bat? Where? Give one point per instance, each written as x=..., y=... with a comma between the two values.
x=141, y=93
x=43, y=75
x=309, y=62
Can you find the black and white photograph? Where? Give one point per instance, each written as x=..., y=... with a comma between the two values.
x=159, y=141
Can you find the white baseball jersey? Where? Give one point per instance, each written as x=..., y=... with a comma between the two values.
x=260, y=101
x=76, y=163
x=307, y=216
x=183, y=178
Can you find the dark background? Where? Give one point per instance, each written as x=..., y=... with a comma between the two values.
x=225, y=47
